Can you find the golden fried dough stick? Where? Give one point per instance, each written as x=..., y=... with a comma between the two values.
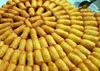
x=52, y=66
x=97, y=14
x=46, y=14
x=21, y=6
x=22, y=44
x=3, y=66
x=23, y=13
x=11, y=67
x=43, y=42
x=19, y=68
x=45, y=54
x=75, y=14
x=34, y=3
x=4, y=9
x=2, y=12
x=36, y=68
x=6, y=6
x=15, y=57
x=27, y=4
x=1, y=43
x=76, y=17
x=17, y=9
x=52, y=18
x=38, y=57
x=89, y=18
x=90, y=23
x=12, y=11
x=19, y=18
x=34, y=19
x=39, y=2
x=17, y=24
x=28, y=68
x=46, y=3
x=29, y=58
x=77, y=22
x=16, y=1
x=64, y=21
x=28, y=23
x=96, y=50
x=83, y=67
x=33, y=34
x=58, y=8
x=91, y=28
x=61, y=65
x=76, y=69
x=4, y=20
x=29, y=45
x=68, y=63
x=10, y=3
x=4, y=30
x=4, y=25
x=63, y=17
x=51, y=6
x=8, y=54
x=85, y=10
x=47, y=29
x=58, y=13
x=8, y=15
x=78, y=27
x=31, y=11
x=44, y=67
x=87, y=14
x=40, y=11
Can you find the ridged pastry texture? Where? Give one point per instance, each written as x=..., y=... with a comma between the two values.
x=48, y=35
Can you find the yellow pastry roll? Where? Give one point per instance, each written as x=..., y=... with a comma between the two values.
x=64, y=21
x=31, y=11
x=36, y=44
x=57, y=38
x=39, y=2
x=36, y=68
x=89, y=18
x=66, y=47
x=22, y=44
x=74, y=38
x=40, y=31
x=19, y=18
x=46, y=14
x=91, y=28
x=22, y=58
x=16, y=8
x=88, y=44
x=85, y=10
x=75, y=14
x=40, y=11
x=34, y=19
x=51, y=5
x=38, y=57
x=21, y=6
x=63, y=17
x=79, y=53
x=90, y=65
x=16, y=1
x=23, y=13
x=4, y=20
x=3, y=66
x=19, y=68
x=15, y=43
x=76, y=69
x=97, y=14
x=12, y=11
x=76, y=17
x=70, y=7
x=28, y=23
x=45, y=54
x=74, y=58
x=83, y=67
x=37, y=23
x=71, y=43
x=47, y=29
x=97, y=18
x=68, y=63
x=96, y=50
x=44, y=67
x=33, y=34
x=78, y=27
x=94, y=61
x=29, y=58
x=58, y=8
x=17, y=24
x=61, y=65
x=28, y=68
x=1, y=43
x=76, y=22
x=46, y=3
x=8, y=54
x=63, y=27
x=11, y=67
x=6, y=6
x=3, y=50
x=2, y=12
x=50, y=40
x=8, y=15
x=52, y=66
x=29, y=45
x=49, y=23
x=61, y=12
x=15, y=56
x=4, y=25
x=90, y=23
x=27, y=4
x=4, y=9
x=87, y=14
x=52, y=18
x=34, y=3
x=43, y=42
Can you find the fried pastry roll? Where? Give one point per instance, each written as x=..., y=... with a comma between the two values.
x=3, y=50
x=21, y=6
x=85, y=10
x=47, y=29
x=8, y=54
x=2, y=12
x=97, y=14
x=58, y=8
x=36, y=68
x=17, y=24
x=46, y=3
x=64, y=21
x=68, y=63
x=4, y=9
x=60, y=50
x=33, y=34
x=74, y=58
x=29, y=58
x=96, y=55
x=12, y=11
x=40, y=11
x=52, y=18
x=43, y=42
x=96, y=50
x=51, y=5
x=11, y=67
x=8, y=15
x=40, y=2
x=83, y=67
x=15, y=43
x=19, y=18
x=89, y=18
x=20, y=29
x=61, y=12
x=50, y=40
x=91, y=28
x=40, y=31
x=15, y=57
x=22, y=58
x=4, y=20
x=67, y=48
x=44, y=67
x=34, y=19
x=19, y=68
x=6, y=6
x=38, y=57
x=45, y=54
x=28, y=68
x=90, y=23
x=29, y=45
x=27, y=4
x=10, y=38
x=71, y=43
x=37, y=23
x=75, y=14
x=10, y=3
x=61, y=65
x=76, y=22
x=87, y=14
x=76, y=17
x=90, y=65
x=72, y=10
x=5, y=29
x=76, y=69
x=16, y=1
x=34, y=3
x=52, y=66
x=23, y=13
x=46, y=14
x=63, y=17
x=78, y=27
x=28, y=23
x=16, y=8
x=4, y=25
x=31, y=11
x=70, y=7
x=22, y=44
x=1, y=43
x=3, y=66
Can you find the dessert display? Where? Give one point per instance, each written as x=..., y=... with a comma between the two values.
x=48, y=35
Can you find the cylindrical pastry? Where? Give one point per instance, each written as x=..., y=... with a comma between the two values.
x=28, y=23
x=19, y=18
x=50, y=23
x=3, y=66
x=21, y=6
x=28, y=68
x=36, y=68
x=33, y=34
x=31, y=11
x=4, y=20
x=40, y=10
x=4, y=30
x=29, y=45
x=19, y=68
x=23, y=13
x=78, y=27
x=27, y=4
x=46, y=14
x=8, y=15
x=83, y=67
x=4, y=25
x=52, y=66
x=64, y=21
x=12, y=11
x=34, y=3
x=52, y=18
x=44, y=67
x=11, y=67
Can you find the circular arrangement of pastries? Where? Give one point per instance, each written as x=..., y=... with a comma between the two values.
x=48, y=35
